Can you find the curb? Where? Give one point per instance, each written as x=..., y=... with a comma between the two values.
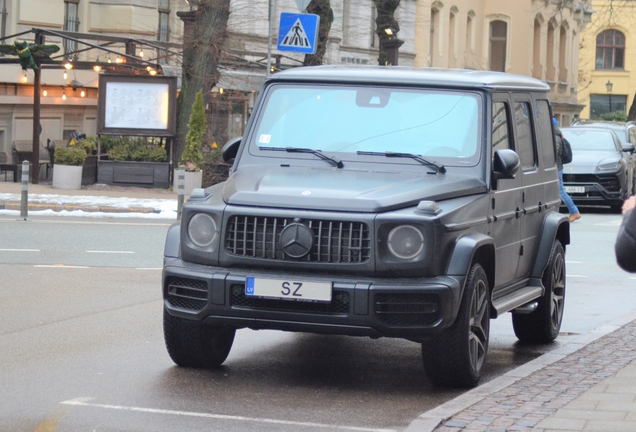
x=436, y=417
x=16, y=205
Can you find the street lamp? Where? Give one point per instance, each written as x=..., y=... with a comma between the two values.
x=608, y=86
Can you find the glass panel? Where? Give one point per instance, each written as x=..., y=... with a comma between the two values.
x=605, y=103
x=619, y=39
x=498, y=29
x=498, y=56
x=500, y=127
x=164, y=4
x=620, y=61
x=599, y=58
x=525, y=139
x=582, y=139
x=545, y=135
x=609, y=58
x=434, y=124
x=600, y=39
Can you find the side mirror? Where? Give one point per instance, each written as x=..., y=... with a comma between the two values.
x=505, y=165
x=230, y=149
x=628, y=148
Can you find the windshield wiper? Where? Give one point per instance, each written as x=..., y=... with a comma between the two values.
x=438, y=168
x=337, y=162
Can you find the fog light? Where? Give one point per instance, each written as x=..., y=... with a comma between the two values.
x=202, y=230
x=405, y=242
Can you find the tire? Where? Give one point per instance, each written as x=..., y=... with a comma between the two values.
x=456, y=357
x=197, y=345
x=543, y=325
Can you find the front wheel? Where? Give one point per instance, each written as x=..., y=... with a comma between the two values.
x=543, y=325
x=457, y=356
x=194, y=344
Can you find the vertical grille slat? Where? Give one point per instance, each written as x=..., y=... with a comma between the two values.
x=334, y=241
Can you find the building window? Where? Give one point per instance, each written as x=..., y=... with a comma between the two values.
x=434, y=36
x=563, y=66
x=610, y=50
x=537, y=71
x=346, y=16
x=163, y=34
x=375, y=39
x=498, y=38
x=71, y=24
x=605, y=103
x=451, y=39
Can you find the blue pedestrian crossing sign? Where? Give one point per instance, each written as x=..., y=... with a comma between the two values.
x=298, y=32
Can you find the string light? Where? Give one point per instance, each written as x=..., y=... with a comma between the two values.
x=83, y=93
x=68, y=65
x=97, y=67
x=109, y=60
x=44, y=93
x=118, y=59
x=25, y=78
x=152, y=72
x=65, y=75
x=64, y=96
x=141, y=53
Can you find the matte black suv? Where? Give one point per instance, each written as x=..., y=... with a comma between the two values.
x=396, y=202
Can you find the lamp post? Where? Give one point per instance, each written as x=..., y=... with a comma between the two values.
x=609, y=86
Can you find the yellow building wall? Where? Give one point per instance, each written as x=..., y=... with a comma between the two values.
x=620, y=16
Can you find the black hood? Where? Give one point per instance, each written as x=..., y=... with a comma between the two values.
x=335, y=189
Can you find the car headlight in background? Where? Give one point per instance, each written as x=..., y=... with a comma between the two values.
x=405, y=242
x=202, y=230
x=612, y=166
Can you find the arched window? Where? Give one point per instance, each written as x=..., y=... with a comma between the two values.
x=434, y=37
x=498, y=39
x=537, y=70
x=610, y=50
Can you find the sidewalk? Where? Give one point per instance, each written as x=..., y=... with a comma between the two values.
x=94, y=199
x=588, y=384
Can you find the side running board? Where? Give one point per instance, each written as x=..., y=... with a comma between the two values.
x=517, y=299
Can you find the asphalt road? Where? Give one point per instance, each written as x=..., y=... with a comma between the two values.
x=81, y=343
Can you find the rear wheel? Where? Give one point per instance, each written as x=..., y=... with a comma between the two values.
x=543, y=325
x=457, y=356
x=193, y=344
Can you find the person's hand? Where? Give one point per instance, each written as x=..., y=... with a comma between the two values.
x=629, y=204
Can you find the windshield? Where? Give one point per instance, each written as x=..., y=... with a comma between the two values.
x=581, y=139
x=438, y=125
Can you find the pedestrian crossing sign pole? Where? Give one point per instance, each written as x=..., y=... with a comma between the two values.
x=298, y=32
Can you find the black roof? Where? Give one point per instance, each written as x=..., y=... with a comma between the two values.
x=434, y=77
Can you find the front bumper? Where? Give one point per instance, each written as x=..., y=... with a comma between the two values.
x=405, y=308
x=602, y=189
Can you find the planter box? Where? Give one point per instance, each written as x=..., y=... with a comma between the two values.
x=192, y=180
x=140, y=174
x=67, y=177
x=89, y=173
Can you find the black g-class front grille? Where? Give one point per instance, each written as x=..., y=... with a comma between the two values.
x=334, y=241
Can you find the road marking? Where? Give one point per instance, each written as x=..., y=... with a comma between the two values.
x=113, y=252
x=82, y=402
x=149, y=268
x=577, y=276
x=59, y=266
x=19, y=250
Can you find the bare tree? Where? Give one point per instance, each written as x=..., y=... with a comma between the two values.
x=322, y=8
x=203, y=50
x=384, y=20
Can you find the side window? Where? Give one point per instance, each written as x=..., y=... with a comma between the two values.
x=500, y=127
x=632, y=135
x=524, y=135
x=545, y=136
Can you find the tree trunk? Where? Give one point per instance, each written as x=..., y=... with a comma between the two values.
x=201, y=57
x=322, y=8
x=385, y=20
x=631, y=115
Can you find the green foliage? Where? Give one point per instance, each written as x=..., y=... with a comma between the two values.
x=614, y=116
x=69, y=156
x=136, y=149
x=88, y=145
x=158, y=154
x=192, y=156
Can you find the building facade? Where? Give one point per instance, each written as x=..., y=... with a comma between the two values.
x=69, y=96
x=608, y=77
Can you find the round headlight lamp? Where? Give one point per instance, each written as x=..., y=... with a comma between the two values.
x=405, y=242
x=202, y=230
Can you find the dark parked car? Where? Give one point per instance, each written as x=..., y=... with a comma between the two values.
x=602, y=169
x=378, y=202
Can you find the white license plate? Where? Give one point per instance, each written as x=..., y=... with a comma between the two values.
x=574, y=189
x=288, y=289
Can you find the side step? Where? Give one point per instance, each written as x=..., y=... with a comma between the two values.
x=517, y=299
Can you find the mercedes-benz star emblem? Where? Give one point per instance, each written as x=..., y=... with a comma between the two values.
x=296, y=240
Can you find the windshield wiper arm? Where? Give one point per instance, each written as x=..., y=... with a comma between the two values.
x=337, y=162
x=438, y=168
